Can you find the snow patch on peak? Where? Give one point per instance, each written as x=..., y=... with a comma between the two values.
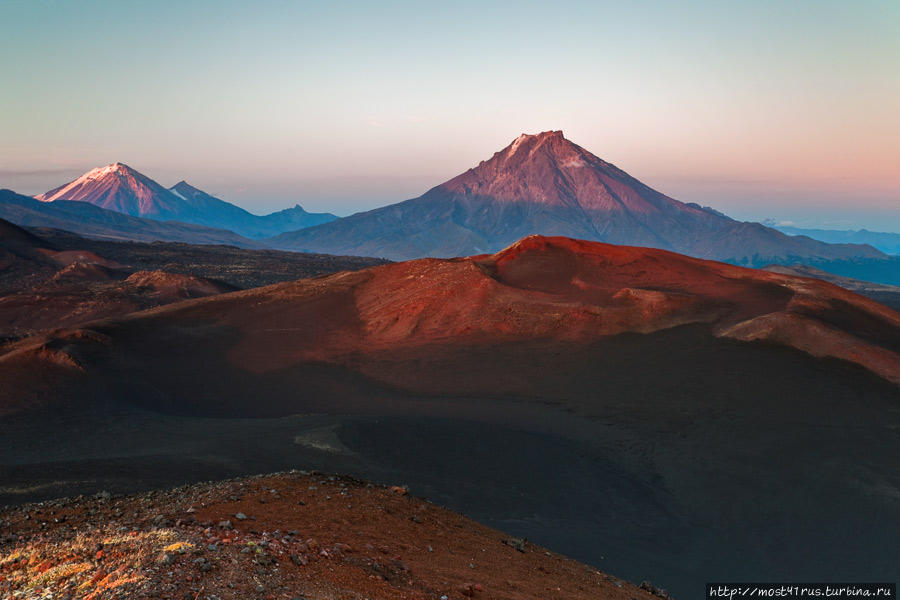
x=574, y=163
x=540, y=137
x=541, y=140
x=86, y=179
x=110, y=168
x=544, y=135
x=516, y=143
x=99, y=172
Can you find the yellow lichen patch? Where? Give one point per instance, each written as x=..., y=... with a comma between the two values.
x=86, y=584
x=124, y=581
x=15, y=556
x=119, y=539
x=58, y=573
x=179, y=547
x=164, y=535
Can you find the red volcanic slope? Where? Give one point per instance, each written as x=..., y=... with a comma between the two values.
x=539, y=288
x=19, y=241
x=86, y=291
x=24, y=254
x=36, y=294
x=176, y=286
x=367, y=542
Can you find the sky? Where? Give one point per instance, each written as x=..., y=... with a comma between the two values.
x=764, y=110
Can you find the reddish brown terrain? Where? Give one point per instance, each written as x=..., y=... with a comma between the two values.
x=295, y=535
x=59, y=279
x=636, y=409
x=889, y=295
x=84, y=292
x=551, y=289
x=25, y=257
x=240, y=267
x=44, y=287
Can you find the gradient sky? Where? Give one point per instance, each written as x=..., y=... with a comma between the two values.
x=787, y=110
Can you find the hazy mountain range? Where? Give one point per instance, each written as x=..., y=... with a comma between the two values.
x=884, y=241
x=120, y=188
x=86, y=219
x=539, y=184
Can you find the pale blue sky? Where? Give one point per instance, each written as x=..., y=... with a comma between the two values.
x=761, y=109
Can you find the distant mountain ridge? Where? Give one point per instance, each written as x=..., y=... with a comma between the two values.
x=123, y=189
x=882, y=240
x=218, y=213
x=89, y=220
x=545, y=184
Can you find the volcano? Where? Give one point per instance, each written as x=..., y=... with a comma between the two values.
x=120, y=188
x=123, y=189
x=545, y=184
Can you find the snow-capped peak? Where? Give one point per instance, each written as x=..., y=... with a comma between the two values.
x=92, y=175
x=540, y=138
x=101, y=171
x=516, y=143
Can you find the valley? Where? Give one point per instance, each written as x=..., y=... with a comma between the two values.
x=524, y=389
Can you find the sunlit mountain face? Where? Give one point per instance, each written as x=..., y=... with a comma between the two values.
x=545, y=184
x=120, y=188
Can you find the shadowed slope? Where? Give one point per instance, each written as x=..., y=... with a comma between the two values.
x=86, y=219
x=22, y=243
x=211, y=211
x=44, y=287
x=26, y=258
x=889, y=295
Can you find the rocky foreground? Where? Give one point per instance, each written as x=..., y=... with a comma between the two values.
x=293, y=535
